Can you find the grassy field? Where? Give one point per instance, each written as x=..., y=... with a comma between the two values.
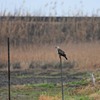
x=82, y=57
x=53, y=92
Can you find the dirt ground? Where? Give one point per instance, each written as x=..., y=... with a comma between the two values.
x=28, y=77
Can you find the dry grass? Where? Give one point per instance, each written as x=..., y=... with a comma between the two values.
x=95, y=96
x=85, y=55
x=44, y=97
x=37, y=30
x=89, y=91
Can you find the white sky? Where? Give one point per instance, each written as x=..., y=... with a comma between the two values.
x=51, y=7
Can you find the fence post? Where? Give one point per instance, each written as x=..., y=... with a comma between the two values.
x=62, y=88
x=9, y=95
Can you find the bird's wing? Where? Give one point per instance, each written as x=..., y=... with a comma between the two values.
x=61, y=52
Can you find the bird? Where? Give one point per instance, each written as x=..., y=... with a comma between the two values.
x=93, y=79
x=61, y=52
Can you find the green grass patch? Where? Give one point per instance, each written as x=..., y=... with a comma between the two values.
x=24, y=76
x=44, y=85
x=80, y=82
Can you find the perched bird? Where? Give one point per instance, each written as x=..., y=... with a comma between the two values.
x=61, y=52
x=93, y=79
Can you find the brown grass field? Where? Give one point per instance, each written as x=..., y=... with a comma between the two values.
x=85, y=55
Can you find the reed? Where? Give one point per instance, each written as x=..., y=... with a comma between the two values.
x=84, y=55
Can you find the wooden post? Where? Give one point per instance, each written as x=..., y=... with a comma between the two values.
x=62, y=89
x=9, y=95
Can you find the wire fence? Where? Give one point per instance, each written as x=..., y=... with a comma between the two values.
x=10, y=78
x=19, y=82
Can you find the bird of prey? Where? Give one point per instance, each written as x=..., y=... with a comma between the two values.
x=61, y=52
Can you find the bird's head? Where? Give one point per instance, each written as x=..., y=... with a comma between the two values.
x=57, y=47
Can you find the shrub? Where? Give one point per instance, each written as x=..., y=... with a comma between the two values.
x=16, y=65
x=31, y=65
x=2, y=65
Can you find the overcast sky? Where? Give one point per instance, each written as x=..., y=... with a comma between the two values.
x=51, y=7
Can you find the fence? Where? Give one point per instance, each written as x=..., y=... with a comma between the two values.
x=21, y=79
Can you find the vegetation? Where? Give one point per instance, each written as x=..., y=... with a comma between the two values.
x=51, y=92
x=33, y=40
x=33, y=30
x=81, y=56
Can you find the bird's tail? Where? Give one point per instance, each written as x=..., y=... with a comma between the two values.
x=66, y=58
